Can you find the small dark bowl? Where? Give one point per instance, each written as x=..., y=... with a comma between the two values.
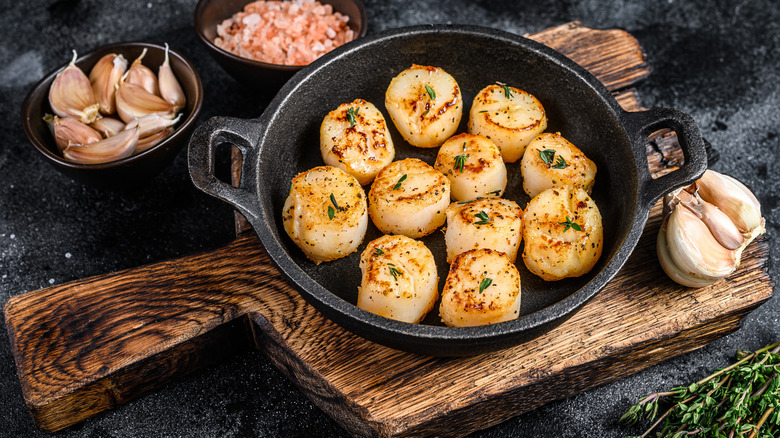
x=261, y=76
x=134, y=170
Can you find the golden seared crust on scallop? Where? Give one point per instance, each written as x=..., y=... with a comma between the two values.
x=425, y=104
x=474, y=166
x=482, y=287
x=562, y=232
x=551, y=161
x=354, y=137
x=399, y=279
x=325, y=213
x=508, y=116
x=493, y=223
x=409, y=197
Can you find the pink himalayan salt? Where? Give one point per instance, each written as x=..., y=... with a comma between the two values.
x=284, y=32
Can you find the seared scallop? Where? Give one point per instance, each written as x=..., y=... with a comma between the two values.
x=473, y=165
x=354, y=137
x=409, y=197
x=425, y=105
x=508, y=116
x=399, y=279
x=493, y=223
x=482, y=287
x=562, y=232
x=551, y=160
x=325, y=213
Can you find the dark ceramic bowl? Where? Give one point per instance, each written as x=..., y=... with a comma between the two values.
x=130, y=171
x=261, y=76
x=285, y=141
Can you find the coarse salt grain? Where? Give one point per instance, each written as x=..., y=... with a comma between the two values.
x=284, y=32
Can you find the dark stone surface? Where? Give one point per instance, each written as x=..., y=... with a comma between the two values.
x=716, y=60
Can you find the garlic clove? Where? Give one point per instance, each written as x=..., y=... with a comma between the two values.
x=107, y=126
x=154, y=123
x=693, y=248
x=104, y=76
x=142, y=76
x=71, y=95
x=68, y=130
x=133, y=102
x=170, y=90
x=150, y=141
x=671, y=269
x=113, y=148
x=721, y=226
x=731, y=197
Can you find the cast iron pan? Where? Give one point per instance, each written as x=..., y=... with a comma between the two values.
x=284, y=141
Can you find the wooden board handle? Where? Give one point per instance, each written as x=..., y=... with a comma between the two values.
x=93, y=344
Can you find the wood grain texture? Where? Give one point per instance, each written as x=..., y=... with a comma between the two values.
x=84, y=347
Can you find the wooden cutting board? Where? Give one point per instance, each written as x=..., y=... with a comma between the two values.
x=86, y=346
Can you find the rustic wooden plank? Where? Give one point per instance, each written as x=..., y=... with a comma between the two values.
x=86, y=346
x=613, y=56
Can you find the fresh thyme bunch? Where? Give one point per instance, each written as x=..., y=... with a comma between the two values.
x=742, y=400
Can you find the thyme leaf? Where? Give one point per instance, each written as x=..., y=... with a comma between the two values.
x=431, y=93
x=398, y=184
x=485, y=283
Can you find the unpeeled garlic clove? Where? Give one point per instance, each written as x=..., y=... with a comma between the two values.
x=154, y=123
x=107, y=126
x=104, y=76
x=71, y=95
x=133, y=102
x=721, y=226
x=153, y=140
x=693, y=248
x=67, y=130
x=671, y=269
x=142, y=76
x=170, y=90
x=113, y=148
x=731, y=197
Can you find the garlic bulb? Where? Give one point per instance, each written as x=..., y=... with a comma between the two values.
x=706, y=227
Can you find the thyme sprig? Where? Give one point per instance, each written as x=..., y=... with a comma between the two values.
x=570, y=224
x=351, y=113
x=483, y=218
x=741, y=400
x=460, y=162
x=507, y=90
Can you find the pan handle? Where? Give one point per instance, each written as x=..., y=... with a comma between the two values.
x=244, y=135
x=640, y=125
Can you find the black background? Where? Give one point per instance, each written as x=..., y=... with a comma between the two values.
x=716, y=60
